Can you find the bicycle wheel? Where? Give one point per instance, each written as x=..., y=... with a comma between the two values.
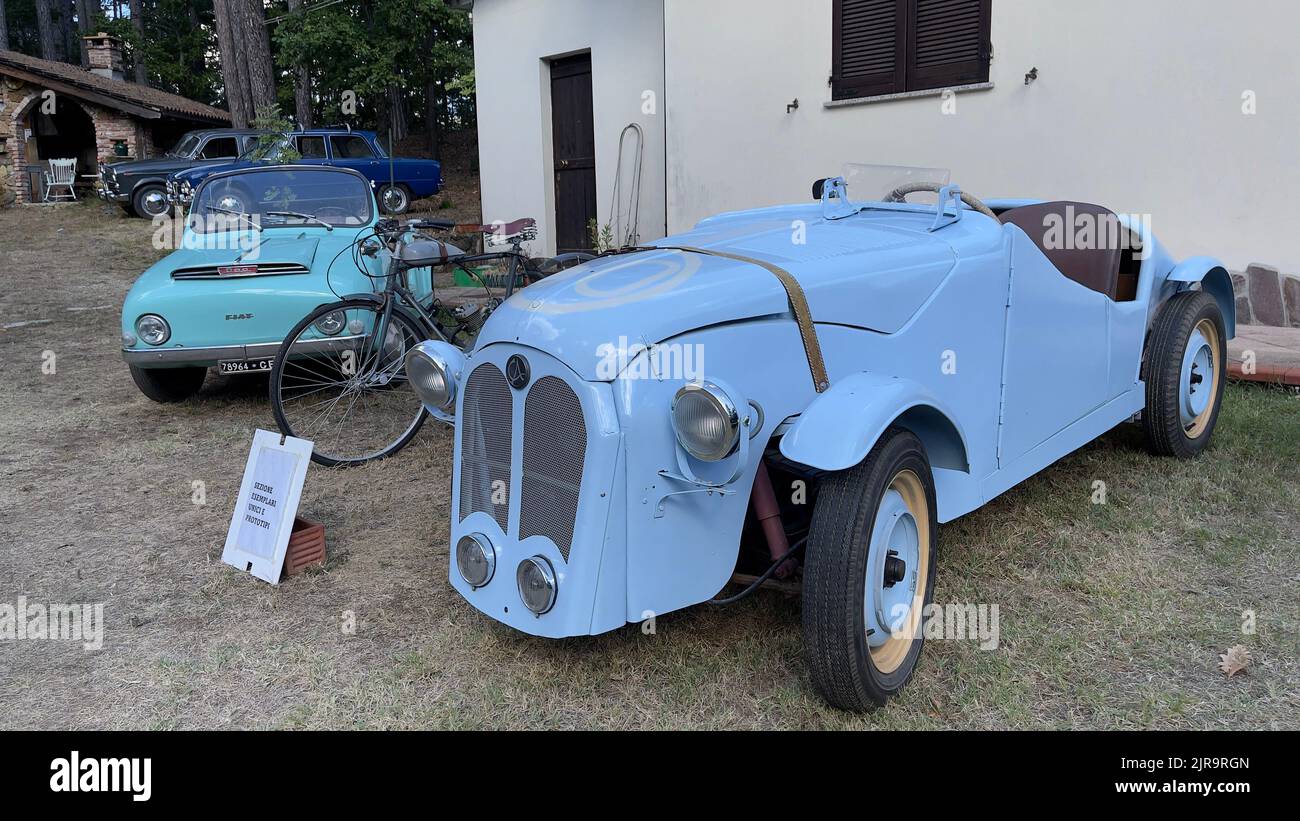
x=332, y=384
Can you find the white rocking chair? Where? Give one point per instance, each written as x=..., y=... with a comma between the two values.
x=62, y=174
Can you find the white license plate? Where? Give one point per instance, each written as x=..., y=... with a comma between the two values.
x=262, y=365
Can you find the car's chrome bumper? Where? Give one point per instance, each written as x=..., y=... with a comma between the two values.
x=211, y=355
x=108, y=188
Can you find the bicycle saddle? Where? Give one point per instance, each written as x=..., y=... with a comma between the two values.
x=502, y=229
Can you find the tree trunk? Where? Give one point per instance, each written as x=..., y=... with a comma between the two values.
x=197, y=64
x=45, y=28
x=397, y=112
x=431, y=119
x=4, y=28
x=137, y=55
x=85, y=23
x=250, y=22
x=301, y=85
x=63, y=45
x=232, y=62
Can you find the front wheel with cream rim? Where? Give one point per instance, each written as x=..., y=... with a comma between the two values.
x=869, y=573
x=1184, y=370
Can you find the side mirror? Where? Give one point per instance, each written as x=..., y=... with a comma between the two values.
x=817, y=188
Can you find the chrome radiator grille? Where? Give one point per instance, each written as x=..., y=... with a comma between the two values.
x=236, y=270
x=486, y=431
x=555, y=444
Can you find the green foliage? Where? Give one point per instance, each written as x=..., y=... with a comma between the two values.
x=272, y=146
x=602, y=237
x=179, y=36
x=365, y=47
x=356, y=52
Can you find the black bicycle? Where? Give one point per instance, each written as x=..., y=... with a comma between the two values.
x=339, y=377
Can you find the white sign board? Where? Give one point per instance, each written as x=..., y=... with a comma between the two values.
x=267, y=504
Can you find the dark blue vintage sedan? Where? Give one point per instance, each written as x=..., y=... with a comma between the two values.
x=397, y=180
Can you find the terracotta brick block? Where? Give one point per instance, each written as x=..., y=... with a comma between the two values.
x=306, y=547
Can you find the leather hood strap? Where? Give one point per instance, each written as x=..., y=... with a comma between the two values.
x=798, y=306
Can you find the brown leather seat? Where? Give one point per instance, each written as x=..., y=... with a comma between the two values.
x=1095, y=267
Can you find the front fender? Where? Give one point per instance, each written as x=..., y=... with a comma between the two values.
x=840, y=427
x=1215, y=281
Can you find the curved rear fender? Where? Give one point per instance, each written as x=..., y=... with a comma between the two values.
x=1215, y=281
x=841, y=426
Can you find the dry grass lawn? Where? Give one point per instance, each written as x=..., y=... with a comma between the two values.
x=1112, y=616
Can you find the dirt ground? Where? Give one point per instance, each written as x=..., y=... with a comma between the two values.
x=1112, y=615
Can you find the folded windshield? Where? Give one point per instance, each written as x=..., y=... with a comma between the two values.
x=875, y=183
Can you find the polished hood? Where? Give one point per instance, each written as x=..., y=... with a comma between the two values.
x=873, y=271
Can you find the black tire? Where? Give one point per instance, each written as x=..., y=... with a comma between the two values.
x=168, y=385
x=1167, y=431
x=145, y=204
x=841, y=663
x=393, y=198
x=278, y=376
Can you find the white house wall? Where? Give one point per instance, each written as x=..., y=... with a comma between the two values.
x=516, y=37
x=1138, y=106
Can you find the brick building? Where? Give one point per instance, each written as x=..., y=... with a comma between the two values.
x=57, y=110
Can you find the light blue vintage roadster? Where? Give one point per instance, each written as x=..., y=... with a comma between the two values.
x=820, y=384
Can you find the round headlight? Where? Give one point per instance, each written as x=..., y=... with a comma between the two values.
x=706, y=421
x=431, y=377
x=536, y=582
x=153, y=329
x=331, y=323
x=475, y=559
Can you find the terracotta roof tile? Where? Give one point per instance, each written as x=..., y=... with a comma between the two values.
x=136, y=93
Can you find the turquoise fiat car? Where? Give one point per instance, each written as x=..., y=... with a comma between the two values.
x=261, y=248
x=809, y=391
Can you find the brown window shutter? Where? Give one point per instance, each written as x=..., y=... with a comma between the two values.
x=868, y=43
x=948, y=43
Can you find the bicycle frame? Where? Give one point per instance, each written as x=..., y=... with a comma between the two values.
x=396, y=289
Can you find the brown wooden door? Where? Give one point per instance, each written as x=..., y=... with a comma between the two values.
x=575, y=152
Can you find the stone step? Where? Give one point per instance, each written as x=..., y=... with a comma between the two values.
x=1269, y=354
